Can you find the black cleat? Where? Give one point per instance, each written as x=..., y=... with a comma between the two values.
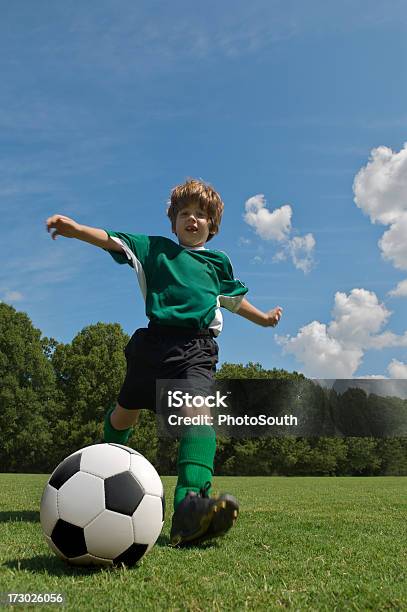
x=199, y=517
x=223, y=518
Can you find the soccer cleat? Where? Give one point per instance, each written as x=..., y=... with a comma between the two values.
x=199, y=517
x=223, y=518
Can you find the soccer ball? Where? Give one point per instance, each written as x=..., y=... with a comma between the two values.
x=103, y=505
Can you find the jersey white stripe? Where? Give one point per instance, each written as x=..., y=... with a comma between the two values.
x=231, y=303
x=136, y=263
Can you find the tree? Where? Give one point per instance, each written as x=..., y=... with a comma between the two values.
x=287, y=454
x=393, y=454
x=53, y=399
x=145, y=437
x=254, y=370
x=362, y=458
x=27, y=394
x=325, y=457
x=89, y=373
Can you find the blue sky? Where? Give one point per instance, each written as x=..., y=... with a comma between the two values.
x=294, y=111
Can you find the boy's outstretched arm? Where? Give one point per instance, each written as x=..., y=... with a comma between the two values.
x=266, y=319
x=64, y=226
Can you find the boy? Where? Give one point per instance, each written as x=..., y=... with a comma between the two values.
x=184, y=286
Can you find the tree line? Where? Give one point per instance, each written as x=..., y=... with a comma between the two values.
x=53, y=398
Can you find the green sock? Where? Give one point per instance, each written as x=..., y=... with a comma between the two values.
x=195, y=460
x=119, y=436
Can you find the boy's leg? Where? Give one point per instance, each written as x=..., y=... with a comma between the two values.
x=118, y=424
x=195, y=461
x=197, y=516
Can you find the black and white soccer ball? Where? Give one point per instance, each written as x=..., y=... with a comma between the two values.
x=103, y=505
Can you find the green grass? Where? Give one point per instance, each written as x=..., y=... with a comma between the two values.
x=299, y=544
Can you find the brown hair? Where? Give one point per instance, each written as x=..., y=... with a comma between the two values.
x=202, y=193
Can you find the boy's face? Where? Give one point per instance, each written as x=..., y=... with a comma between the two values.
x=192, y=225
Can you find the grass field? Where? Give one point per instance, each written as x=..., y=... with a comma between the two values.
x=299, y=544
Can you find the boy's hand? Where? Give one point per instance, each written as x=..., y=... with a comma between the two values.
x=62, y=226
x=273, y=316
x=265, y=319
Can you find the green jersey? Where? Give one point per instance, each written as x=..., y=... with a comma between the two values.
x=181, y=286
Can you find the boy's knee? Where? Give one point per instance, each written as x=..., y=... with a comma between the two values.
x=122, y=418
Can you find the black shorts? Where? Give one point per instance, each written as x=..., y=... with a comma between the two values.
x=160, y=352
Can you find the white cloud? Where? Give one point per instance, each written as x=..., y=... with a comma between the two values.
x=357, y=317
x=387, y=339
x=397, y=369
x=301, y=249
x=380, y=190
x=13, y=296
x=322, y=355
x=268, y=225
x=393, y=243
x=276, y=226
x=400, y=290
x=336, y=350
x=243, y=241
x=279, y=256
x=374, y=377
